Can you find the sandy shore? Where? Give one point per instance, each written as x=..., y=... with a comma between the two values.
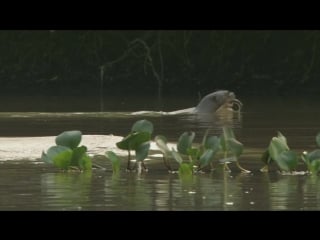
x=20, y=148
x=30, y=148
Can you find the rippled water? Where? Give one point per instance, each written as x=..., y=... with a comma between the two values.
x=26, y=185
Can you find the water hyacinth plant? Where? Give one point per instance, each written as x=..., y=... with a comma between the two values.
x=193, y=159
x=115, y=161
x=312, y=159
x=280, y=153
x=231, y=146
x=137, y=140
x=183, y=145
x=67, y=154
x=190, y=157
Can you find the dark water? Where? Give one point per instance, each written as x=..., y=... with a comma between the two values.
x=36, y=186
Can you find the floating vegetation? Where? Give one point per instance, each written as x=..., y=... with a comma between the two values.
x=192, y=158
x=287, y=160
x=137, y=140
x=66, y=154
x=312, y=159
x=280, y=153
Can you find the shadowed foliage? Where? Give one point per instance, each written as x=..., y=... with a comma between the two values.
x=61, y=62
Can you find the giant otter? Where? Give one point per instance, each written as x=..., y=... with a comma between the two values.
x=221, y=101
x=215, y=102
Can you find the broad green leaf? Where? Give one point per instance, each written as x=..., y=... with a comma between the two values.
x=305, y=158
x=235, y=147
x=142, y=151
x=77, y=154
x=204, y=139
x=69, y=139
x=287, y=160
x=314, y=155
x=194, y=152
x=185, y=169
x=265, y=158
x=228, y=142
x=206, y=157
x=176, y=156
x=85, y=162
x=228, y=133
x=52, y=152
x=223, y=143
x=133, y=140
x=63, y=159
x=318, y=139
x=310, y=159
x=276, y=147
x=161, y=142
x=185, y=142
x=45, y=158
x=315, y=166
x=142, y=126
x=213, y=143
x=283, y=139
x=115, y=161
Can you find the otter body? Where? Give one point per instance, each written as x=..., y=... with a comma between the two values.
x=214, y=102
x=219, y=101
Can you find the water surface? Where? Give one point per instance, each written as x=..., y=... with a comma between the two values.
x=26, y=185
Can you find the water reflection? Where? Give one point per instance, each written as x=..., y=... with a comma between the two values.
x=295, y=192
x=199, y=192
x=25, y=186
x=19, y=190
x=311, y=194
x=131, y=193
x=29, y=187
x=65, y=191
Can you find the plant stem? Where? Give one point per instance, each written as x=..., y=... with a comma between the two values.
x=225, y=166
x=138, y=167
x=129, y=159
x=241, y=168
x=166, y=163
x=265, y=168
x=144, y=166
x=212, y=167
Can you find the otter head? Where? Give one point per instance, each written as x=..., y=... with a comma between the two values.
x=217, y=101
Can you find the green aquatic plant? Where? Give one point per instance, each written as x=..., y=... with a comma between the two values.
x=279, y=152
x=137, y=140
x=115, y=161
x=183, y=146
x=66, y=154
x=195, y=158
x=161, y=142
x=191, y=157
x=185, y=168
x=231, y=146
x=312, y=159
x=203, y=154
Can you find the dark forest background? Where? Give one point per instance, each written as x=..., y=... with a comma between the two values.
x=183, y=62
